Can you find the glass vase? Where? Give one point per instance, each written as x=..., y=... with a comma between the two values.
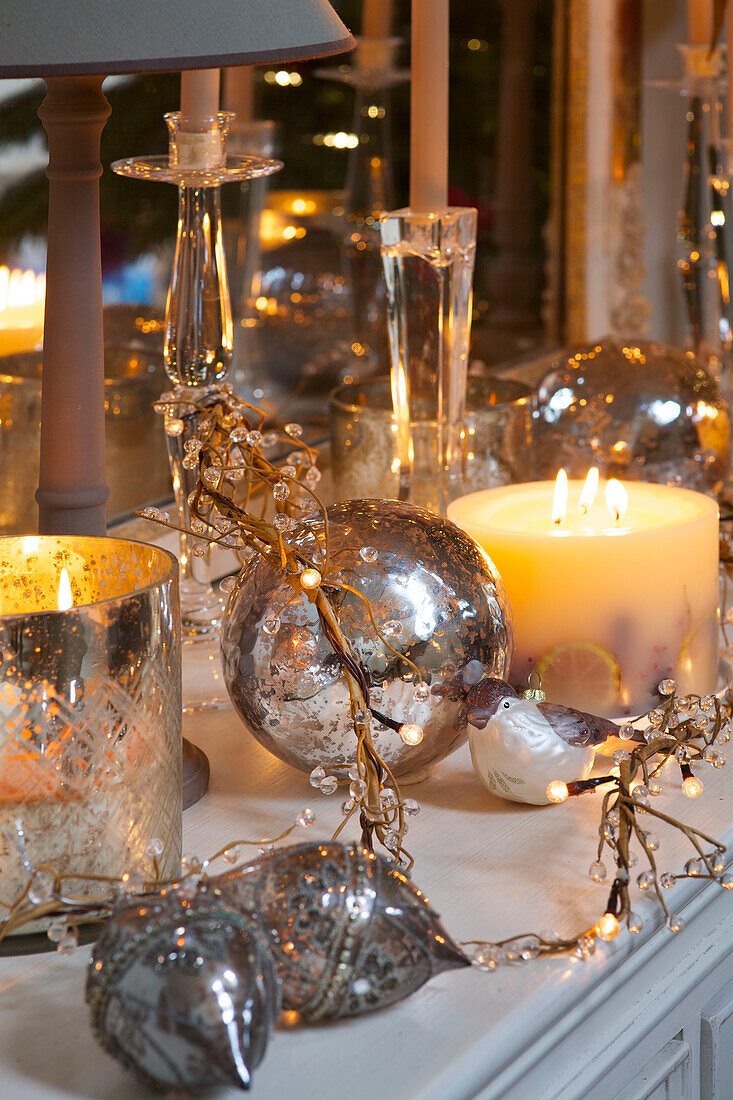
x=428, y=264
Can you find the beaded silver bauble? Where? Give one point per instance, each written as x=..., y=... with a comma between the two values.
x=183, y=992
x=638, y=411
x=349, y=932
x=433, y=592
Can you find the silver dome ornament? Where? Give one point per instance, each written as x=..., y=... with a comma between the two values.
x=637, y=411
x=183, y=992
x=437, y=599
x=349, y=932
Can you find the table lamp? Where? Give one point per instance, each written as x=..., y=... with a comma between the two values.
x=73, y=45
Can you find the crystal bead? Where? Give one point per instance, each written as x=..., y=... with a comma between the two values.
x=280, y=490
x=282, y=522
x=353, y=772
x=714, y=757
x=360, y=718
x=389, y=799
x=634, y=923
x=288, y=471
x=608, y=831
x=41, y=888
x=667, y=880
x=253, y=438
x=622, y=875
x=132, y=882
x=188, y=887
x=190, y=462
x=632, y=859
x=392, y=628
x=317, y=776
x=211, y=475
x=613, y=817
x=693, y=868
x=271, y=625
x=368, y=554
x=667, y=687
x=297, y=458
x=585, y=947
x=154, y=847
x=675, y=923
x=199, y=527
x=718, y=862
x=329, y=785
x=656, y=718
x=294, y=430
x=57, y=929
x=597, y=871
x=238, y=435
x=173, y=426
x=645, y=880
x=392, y=840
x=640, y=791
x=726, y=881
x=411, y=807
x=231, y=855
x=227, y=584
x=357, y=788
x=620, y=755
x=708, y=703
x=200, y=549
x=347, y=806
x=655, y=787
x=68, y=942
x=265, y=849
x=421, y=693
x=312, y=476
x=306, y=817
x=269, y=439
x=650, y=841
x=626, y=733
x=150, y=513
x=682, y=754
x=235, y=473
x=488, y=960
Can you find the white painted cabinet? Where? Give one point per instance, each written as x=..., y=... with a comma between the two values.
x=647, y=1018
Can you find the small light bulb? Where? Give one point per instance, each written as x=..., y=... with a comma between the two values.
x=310, y=579
x=692, y=787
x=608, y=927
x=411, y=733
x=557, y=791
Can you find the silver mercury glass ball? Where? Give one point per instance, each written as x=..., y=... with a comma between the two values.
x=183, y=992
x=636, y=410
x=349, y=933
x=435, y=595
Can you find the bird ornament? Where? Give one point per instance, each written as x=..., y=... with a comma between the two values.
x=520, y=743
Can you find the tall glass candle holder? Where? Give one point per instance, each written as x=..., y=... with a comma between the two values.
x=90, y=709
x=428, y=266
x=198, y=339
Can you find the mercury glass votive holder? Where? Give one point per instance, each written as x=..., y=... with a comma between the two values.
x=90, y=709
x=365, y=443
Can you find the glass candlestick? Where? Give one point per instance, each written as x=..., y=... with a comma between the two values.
x=198, y=343
x=428, y=265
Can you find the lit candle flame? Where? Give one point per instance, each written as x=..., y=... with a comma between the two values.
x=589, y=490
x=65, y=600
x=617, y=499
x=560, y=498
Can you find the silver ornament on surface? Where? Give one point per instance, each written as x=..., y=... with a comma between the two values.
x=349, y=932
x=638, y=411
x=183, y=992
x=430, y=578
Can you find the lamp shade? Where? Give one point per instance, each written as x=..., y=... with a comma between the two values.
x=108, y=36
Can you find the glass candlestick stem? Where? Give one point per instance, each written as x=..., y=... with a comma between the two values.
x=428, y=264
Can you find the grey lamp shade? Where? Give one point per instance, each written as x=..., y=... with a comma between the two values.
x=58, y=37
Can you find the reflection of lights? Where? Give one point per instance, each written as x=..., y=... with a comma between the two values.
x=283, y=78
x=303, y=206
x=476, y=44
x=339, y=140
x=717, y=217
x=374, y=112
x=562, y=399
x=705, y=410
x=664, y=412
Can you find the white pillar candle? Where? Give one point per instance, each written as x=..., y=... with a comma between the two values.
x=199, y=99
x=377, y=20
x=239, y=92
x=429, y=107
x=699, y=22
x=605, y=608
